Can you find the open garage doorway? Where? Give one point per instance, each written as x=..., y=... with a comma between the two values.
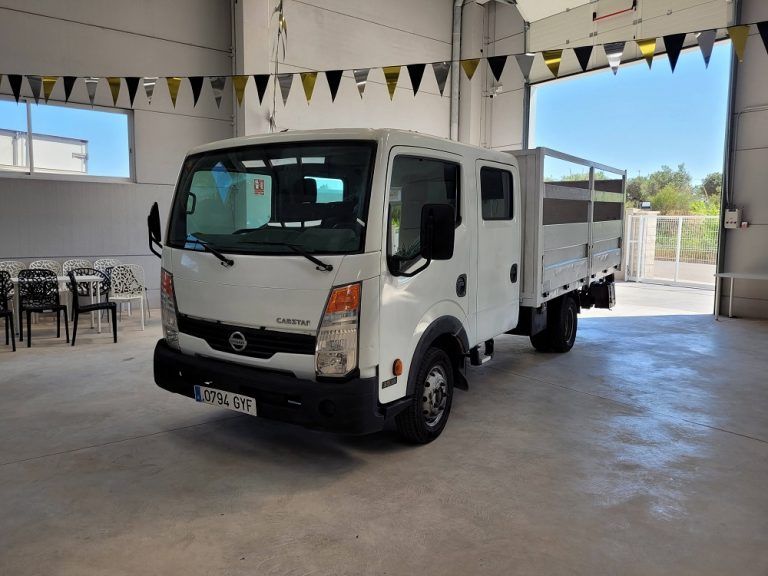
x=668, y=131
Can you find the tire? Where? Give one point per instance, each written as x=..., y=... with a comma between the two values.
x=427, y=414
x=562, y=325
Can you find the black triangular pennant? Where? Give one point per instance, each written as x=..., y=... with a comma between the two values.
x=262, y=81
x=583, y=54
x=762, y=27
x=334, y=79
x=673, y=43
x=496, y=64
x=133, y=86
x=69, y=83
x=416, y=73
x=15, y=81
x=196, y=82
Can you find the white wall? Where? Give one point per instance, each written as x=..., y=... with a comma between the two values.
x=336, y=34
x=747, y=250
x=62, y=218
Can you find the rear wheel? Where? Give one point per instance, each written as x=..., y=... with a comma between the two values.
x=562, y=324
x=426, y=415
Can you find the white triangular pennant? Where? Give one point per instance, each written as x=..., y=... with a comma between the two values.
x=90, y=84
x=149, y=87
x=217, y=85
x=35, y=84
x=285, y=81
x=525, y=62
x=614, y=51
x=361, y=79
x=706, y=40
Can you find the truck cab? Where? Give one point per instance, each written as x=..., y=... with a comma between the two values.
x=341, y=279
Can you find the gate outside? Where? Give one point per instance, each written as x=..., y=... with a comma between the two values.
x=679, y=250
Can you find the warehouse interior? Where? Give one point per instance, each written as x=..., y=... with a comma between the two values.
x=642, y=451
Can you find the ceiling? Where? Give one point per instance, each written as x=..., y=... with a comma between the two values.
x=533, y=10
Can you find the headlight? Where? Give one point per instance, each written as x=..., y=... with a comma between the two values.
x=168, y=309
x=336, y=351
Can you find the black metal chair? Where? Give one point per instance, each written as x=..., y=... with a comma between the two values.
x=6, y=292
x=82, y=290
x=39, y=293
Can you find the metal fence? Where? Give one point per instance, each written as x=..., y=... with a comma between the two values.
x=672, y=249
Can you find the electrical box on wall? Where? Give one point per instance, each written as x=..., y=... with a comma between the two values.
x=732, y=218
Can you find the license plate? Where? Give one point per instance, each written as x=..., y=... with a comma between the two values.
x=223, y=399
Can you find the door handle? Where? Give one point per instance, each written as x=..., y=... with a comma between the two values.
x=513, y=274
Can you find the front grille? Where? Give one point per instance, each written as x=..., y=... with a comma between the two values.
x=262, y=343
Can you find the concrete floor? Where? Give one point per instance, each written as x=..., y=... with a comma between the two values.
x=643, y=451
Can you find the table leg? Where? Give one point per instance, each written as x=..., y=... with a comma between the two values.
x=730, y=300
x=98, y=300
x=90, y=293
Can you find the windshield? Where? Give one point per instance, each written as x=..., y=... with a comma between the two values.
x=277, y=198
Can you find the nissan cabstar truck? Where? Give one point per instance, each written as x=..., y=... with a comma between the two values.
x=345, y=279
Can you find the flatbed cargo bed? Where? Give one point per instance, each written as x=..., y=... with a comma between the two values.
x=572, y=225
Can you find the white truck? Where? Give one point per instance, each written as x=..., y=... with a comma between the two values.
x=341, y=279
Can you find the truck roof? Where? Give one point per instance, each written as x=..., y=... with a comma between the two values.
x=388, y=135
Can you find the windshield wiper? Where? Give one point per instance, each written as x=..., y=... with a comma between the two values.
x=320, y=265
x=228, y=262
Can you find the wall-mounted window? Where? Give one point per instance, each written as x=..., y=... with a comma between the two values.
x=68, y=140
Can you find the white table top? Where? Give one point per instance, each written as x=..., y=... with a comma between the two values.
x=742, y=275
x=66, y=279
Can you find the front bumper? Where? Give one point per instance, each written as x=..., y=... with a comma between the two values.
x=351, y=406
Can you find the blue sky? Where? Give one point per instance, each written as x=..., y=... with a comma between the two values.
x=106, y=132
x=641, y=119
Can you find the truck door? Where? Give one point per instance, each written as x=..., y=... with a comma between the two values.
x=498, y=246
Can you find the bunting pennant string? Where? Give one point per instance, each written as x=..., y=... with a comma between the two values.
x=285, y=81
x=49, y=82
x=114, y=88
x=262, y=81
x=416, y=73
x=706, y=40
x=739, y=36
x=673, y=43
x=308, y=80
x=469, y=67
x=196, y=83
x=69, y=83
x=173, y=82
x=762, y=27
x=496, y=64
x=149, y=86
x=91, y=83
x=614, y=51
x=15, y=81
x=361, y=78
x=132, y=82
x=217, y=86
x=333, y=77
x=239, y=83
x=647, y=49
x=525, y=63
x=583, y=55
x=441, y=70
x=35, y=84
x=552, y=59
x=391, y=75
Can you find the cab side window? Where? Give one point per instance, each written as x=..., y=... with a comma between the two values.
x=496, y=194
x=416, y=182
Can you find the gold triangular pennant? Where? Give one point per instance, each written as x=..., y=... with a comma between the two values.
x=552, y=59
x=739, y=36
x=308, y=80
x=469, y=67
x=173, y=87
x=647, y=49
x=48, y=84
x=114, y=88
x=238, y=84
x=391, y=75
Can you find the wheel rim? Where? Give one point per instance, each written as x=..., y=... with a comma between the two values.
x=435, y=395
x=569, y=322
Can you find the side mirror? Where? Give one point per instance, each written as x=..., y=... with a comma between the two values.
x=153, y=227
x=438, y=231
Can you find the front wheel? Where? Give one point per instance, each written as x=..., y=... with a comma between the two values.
x=426, y=415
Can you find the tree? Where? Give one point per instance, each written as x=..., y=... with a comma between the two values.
x=711, y=185
x=672, y=199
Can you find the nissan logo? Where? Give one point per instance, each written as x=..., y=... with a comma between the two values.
x=237, y=341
